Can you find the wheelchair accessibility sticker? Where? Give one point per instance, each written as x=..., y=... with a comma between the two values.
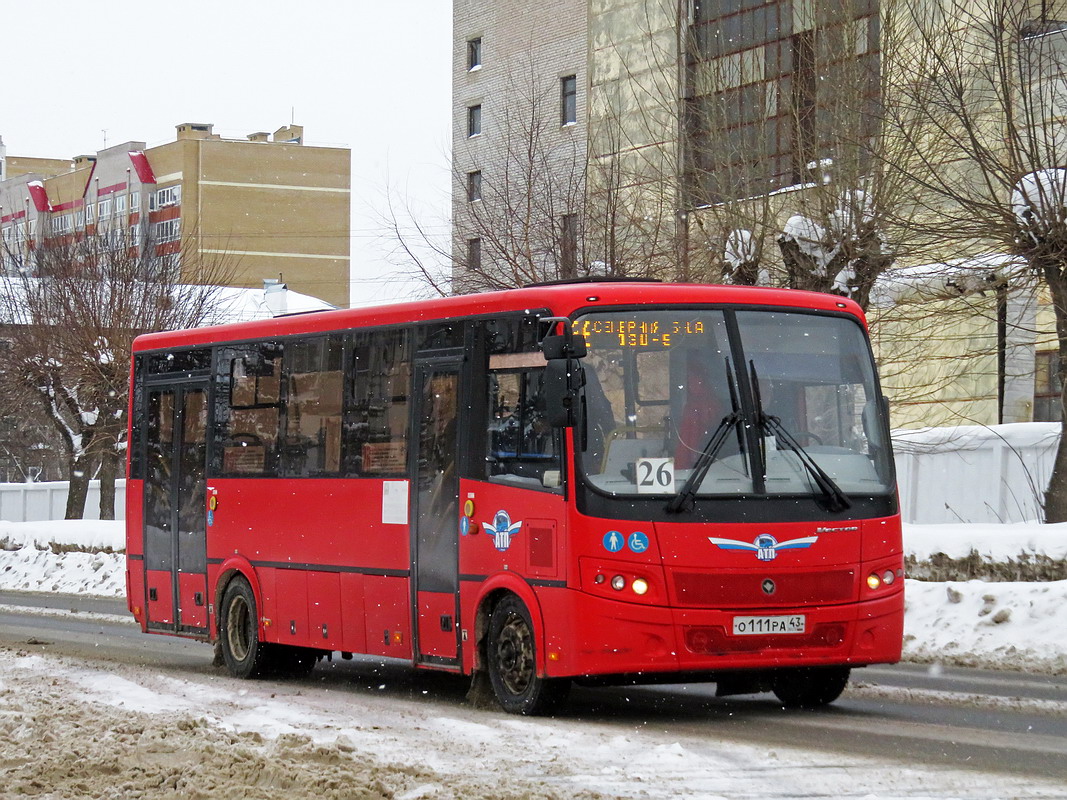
x=614, y=541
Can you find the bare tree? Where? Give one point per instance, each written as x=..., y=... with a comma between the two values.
x=71, y=311
x=985, y=83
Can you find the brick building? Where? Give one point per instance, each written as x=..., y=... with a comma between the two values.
x=268, y=204
x=519, y=77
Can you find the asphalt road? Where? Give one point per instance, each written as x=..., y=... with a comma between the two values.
x=1005, y=722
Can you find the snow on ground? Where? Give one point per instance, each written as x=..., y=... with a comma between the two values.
x=87, y=533
x=56, y=557
x=990, y=540
x=975, y=623
x=68, y=729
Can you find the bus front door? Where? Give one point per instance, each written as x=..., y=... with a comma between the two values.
x=435, y=534
x=175, y=533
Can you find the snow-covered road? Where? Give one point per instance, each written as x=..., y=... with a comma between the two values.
x=70, y=728
x=73, y=729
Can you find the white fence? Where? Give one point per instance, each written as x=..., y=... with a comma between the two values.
x=964, y=474
x=975, y=474
x=37, y=502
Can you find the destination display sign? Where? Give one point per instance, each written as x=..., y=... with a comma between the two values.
x=601, y=330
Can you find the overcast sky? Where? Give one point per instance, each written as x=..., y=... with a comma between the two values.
x=372, y=76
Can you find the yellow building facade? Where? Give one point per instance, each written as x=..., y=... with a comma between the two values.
x=268, y=206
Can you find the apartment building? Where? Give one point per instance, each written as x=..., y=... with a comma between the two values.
x=268, y=205
x=677, y=118
x=520, y=130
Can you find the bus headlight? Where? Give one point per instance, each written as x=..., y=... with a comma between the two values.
x=618, y=583
x=873, y=581
x=640, y=586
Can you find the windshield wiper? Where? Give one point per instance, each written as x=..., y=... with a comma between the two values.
x=836, y=500
x=684, y=499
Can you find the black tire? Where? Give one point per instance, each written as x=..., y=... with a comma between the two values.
x=244, y=654
x=511, y=660
x=810, y=687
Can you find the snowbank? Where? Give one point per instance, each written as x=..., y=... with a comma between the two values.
x=989, y=540
x=89, y=534
x=977, y=623
x=42, y=570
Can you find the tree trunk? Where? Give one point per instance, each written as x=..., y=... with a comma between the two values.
x=79, y=487
x=1056, y=493
x=109, y=465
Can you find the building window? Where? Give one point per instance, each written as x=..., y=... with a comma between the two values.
x=474, y=53
x=474, y=185
x=474, y=254
x=474, y=120
x=62, y=224
x=568, y=88
x=168, y=231
x=1047, y=387
x=167, y=196
x=104, y=209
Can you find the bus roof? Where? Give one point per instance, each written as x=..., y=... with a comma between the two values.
x=562, y=299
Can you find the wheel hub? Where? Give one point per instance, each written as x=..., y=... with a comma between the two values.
x=515, y=655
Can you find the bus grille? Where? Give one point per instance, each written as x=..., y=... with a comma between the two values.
x=746, y=589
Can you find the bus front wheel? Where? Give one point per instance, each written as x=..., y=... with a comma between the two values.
x=810, y=687
x=242, y=651
x=511, y=656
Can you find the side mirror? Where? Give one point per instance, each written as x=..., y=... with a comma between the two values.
x=564, y=379
x=563, y=345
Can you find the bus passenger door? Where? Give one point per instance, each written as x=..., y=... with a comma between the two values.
x=435, y=535
x=175, y=534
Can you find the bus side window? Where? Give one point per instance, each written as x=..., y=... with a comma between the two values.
x=250, y=433
x=376, y=422
x=312, y=443
x=523, y=448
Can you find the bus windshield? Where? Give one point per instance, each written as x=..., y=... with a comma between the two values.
x=731, y=402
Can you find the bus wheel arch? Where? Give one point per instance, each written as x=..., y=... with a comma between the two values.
x=234, y=567
x=513, y=659
x=493, y=592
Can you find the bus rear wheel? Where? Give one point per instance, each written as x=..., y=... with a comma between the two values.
x=511, y=656
x=244, y=654
x=810, y=687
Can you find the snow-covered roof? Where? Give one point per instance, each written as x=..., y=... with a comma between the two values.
x=234, y=304
x=246, y=305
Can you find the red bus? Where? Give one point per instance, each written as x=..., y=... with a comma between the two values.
x=597, y=482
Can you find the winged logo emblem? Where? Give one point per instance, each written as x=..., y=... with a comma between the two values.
x=765, y=546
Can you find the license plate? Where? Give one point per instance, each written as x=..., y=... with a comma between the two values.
x=755, y=626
